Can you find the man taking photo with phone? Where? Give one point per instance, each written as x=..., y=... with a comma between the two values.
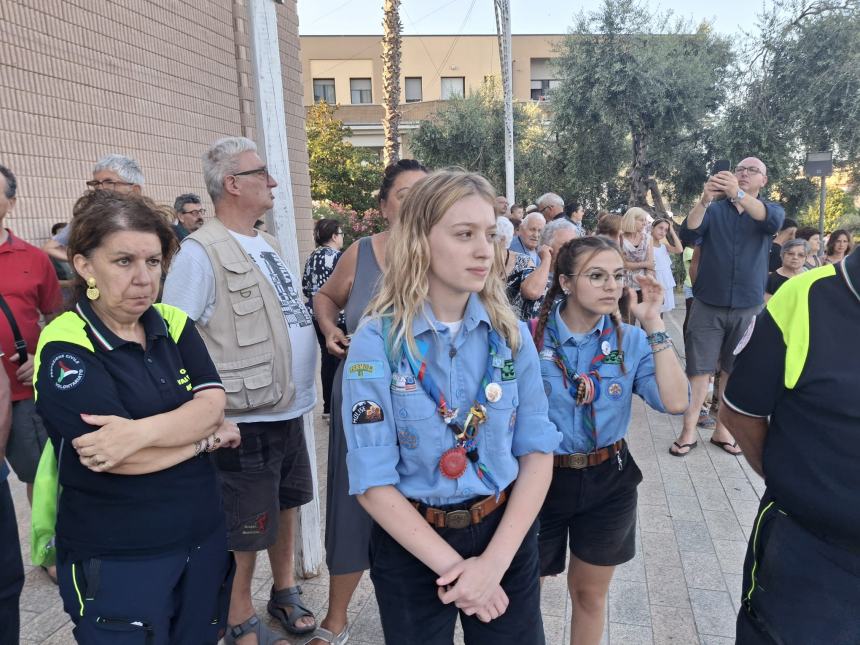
x=736, y=227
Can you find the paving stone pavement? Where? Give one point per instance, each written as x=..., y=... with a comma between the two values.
x=682, y=588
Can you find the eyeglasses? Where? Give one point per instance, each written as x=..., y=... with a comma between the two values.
x=106, y=184
x=750, y=170
x=600, y=279
x=200, y=211
x=262, y=172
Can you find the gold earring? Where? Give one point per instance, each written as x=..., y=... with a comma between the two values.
x=92, y=290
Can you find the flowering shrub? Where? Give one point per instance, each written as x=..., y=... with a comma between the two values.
x=355, y=225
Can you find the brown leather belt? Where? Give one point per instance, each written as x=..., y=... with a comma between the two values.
x=462, y=518
x=579, y=460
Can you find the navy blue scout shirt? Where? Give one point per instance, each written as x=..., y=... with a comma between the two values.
x=734, y=254
x=394, y=434
x=613, y=406
x=103, y=514
x=811, y=453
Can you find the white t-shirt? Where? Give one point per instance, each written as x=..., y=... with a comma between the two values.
x=190, y=285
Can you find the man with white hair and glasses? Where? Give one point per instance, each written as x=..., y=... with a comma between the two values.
x=231, y=279
x=550, y=206
x=114, y=172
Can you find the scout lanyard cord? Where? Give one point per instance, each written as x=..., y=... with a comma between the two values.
x=584, y=388
x=466, y=433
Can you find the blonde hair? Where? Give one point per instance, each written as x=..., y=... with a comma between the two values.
x=404, y=288
x=628, y=222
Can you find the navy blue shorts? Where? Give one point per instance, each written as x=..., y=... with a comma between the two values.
x=593, y=512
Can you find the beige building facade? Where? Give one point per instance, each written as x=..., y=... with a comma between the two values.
x=347, y=71
x=153, y=80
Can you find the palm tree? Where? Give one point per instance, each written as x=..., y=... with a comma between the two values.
x=391, y=79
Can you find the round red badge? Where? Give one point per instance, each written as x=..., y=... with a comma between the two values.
x=453, y=462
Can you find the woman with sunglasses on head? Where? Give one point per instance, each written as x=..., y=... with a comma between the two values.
x=328, y=235
x=447, y=428
x=592, y=364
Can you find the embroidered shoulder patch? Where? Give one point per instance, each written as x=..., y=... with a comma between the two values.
x=367, y=412
x=67, y=371
x=364, y=370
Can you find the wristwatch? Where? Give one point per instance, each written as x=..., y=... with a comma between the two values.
x=741, y=194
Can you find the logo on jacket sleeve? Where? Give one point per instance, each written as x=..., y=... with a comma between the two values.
x=364, y=370
x=366, y=412
x=66, y=371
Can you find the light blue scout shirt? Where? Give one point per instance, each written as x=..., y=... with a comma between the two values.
x=394, y=434
x=613, y=406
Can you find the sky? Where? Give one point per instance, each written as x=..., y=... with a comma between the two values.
x=318, y=17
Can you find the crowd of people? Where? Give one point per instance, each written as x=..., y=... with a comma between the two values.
x=478, y=364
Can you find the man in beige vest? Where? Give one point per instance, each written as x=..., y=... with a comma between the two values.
x=231, y=280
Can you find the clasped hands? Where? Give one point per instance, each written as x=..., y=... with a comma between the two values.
x=473, y=585
x=118, y=438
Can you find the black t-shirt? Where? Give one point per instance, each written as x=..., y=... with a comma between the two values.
x=774, y=260
x=811, y=452
x=105, y=514
x=774, y=282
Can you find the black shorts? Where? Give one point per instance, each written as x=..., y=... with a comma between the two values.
x=594, y=511
x=270, y=471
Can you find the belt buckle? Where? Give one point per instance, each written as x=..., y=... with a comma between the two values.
x=578, y=460
x=457, y=519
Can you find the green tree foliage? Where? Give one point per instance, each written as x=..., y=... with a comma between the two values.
x=802, y=93
x=340, y=172
x=837, y=206
x=638, y=96
x=469, y=132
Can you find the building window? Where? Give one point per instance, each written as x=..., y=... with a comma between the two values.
x=324, y=90
x=359, y=90
x=413, y=89
x=540, y=89
x=453, y=87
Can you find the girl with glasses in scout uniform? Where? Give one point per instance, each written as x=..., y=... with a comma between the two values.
x=592, y=364
x=447, y=429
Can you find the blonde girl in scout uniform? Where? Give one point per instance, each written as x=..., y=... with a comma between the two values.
x=446, y=424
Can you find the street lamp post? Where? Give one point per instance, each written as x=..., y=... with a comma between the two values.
x=820, y=164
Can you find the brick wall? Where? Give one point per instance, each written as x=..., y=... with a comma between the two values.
x=154, y=80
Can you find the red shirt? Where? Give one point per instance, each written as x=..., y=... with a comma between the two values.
x=29, y=285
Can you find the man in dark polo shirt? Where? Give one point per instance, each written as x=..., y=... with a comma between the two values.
x=792, y=404
x=736, y=227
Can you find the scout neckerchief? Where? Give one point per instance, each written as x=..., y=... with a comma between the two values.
x=453, y=462
x=583, y=387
